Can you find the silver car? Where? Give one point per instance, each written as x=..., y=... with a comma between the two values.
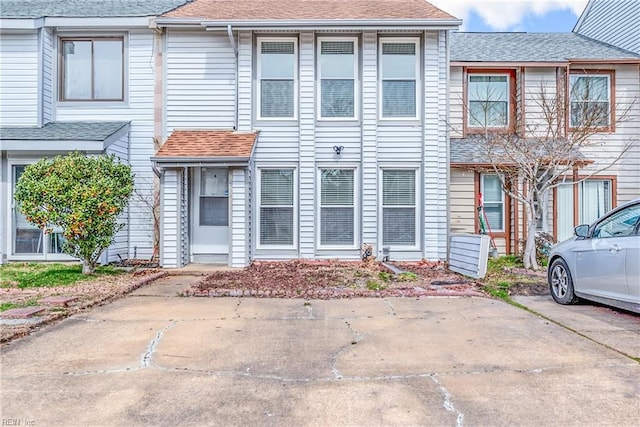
x=601, y=262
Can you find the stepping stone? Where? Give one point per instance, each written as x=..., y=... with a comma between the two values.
x=21, y=313
x=58, y=301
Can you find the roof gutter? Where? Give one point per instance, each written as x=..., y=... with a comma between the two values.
x=172, y=162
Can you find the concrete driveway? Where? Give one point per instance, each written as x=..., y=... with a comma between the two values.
x=157, y=359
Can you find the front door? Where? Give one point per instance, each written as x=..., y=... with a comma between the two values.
x=210, y=215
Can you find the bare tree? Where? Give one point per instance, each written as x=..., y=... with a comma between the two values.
x=534, y=154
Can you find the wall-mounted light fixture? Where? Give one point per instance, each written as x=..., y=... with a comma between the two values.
x=338, y=149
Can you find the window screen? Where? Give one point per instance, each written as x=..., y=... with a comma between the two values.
x=337, y=207
x=277, y=79
x=399, y=80
x=399, y=207
x=276, y=207
x=337, y=79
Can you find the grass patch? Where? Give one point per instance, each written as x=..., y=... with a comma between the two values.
x=38, y=275
x=9, y=305
x=499, y=279
x=374, y=285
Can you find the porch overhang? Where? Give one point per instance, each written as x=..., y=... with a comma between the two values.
x=195, y=148
x=88, y=137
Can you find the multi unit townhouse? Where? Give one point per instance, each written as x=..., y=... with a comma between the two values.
x=281, y=129
x=513, y=72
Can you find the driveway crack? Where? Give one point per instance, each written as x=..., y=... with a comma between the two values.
x=146, y=357
x=448, y=403
x=356, y=338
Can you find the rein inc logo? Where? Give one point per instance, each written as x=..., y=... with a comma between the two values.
x=17, y=422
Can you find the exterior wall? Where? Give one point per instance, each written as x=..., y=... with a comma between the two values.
x=239, y=223
x=119, y=250
x=456, y=103
x=171, y=214
x=138, y=108
x=613, y=22
x=48, y=67
x=19, y=78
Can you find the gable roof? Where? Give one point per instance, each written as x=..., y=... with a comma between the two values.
x=616, y=22
x=207, y=145
x=31, y=9
x=532, y=47
x=266, y=10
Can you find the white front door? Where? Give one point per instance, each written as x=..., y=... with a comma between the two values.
x=210, y=215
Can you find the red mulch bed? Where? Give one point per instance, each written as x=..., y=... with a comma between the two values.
x=334, y=279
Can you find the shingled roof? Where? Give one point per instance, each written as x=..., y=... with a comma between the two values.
x=63, y=131
x=260, y=10
x=532, y=47
x=29, y=9
x=185, y=145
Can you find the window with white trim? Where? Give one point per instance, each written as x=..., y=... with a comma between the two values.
x=399, y=71
x=92, y=69
x=337, y=207
x=277, y=76
x=590, y=97
x=399, y=210
x=276, y=207
x=492, y=201
x=338, y=67
x=488, y=98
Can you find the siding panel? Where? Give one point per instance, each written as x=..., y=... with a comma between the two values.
x=19, y=80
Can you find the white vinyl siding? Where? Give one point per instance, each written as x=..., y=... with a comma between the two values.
x=337, y=208
x=277, y=208
x=590, y=96
x=19, y=80
x=399, y=209
x=277, y=78
x=337, y=69
x=488, y=97
x=493, y=201
x=92, y=69
x=399, y=71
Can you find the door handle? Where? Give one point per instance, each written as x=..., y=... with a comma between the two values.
x=614, y=249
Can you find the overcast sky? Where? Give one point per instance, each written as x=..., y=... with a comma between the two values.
x=515, y=15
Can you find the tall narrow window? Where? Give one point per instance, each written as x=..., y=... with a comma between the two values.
x=92, y=69
x=399, y=207
x=214, y=197
x=590, y=96
x=337, y=209
x=276, y=207
x=399, y=77
x=337, y=69
x=488, y=97
x=277, y=72
x=493, y=201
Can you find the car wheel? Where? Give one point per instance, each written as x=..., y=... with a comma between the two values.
x=561, y=283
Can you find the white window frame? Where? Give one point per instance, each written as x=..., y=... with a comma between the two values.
x=58, y=76
x=418, y=209
x=502, y=202
x=419, y=77
x=509, y=106
x=356, y=80
x=296, y=78
x=356, y=207
x=10, y=241
x=573, y=75
x=258, y=199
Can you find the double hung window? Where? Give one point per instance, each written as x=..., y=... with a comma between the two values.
x=92, y=69
x=337, y=207
x=492, y=201
x=276, y=207
x=337, y=74
x=590, y=96
x=277, y=74
x=399, y=63
x=399, y=210
x=488, y=101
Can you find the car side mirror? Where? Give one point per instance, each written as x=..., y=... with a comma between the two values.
x=582, y=230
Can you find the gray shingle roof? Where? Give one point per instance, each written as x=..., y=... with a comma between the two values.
x=86, y=8
x=531, y=47
x=63, y=131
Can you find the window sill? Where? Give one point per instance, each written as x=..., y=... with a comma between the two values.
x=92, y=104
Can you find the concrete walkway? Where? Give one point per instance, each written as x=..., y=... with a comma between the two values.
x=157, y=359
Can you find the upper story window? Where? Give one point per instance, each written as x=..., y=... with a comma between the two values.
x=337, y=71
x=399, y=71
x=488, y=97
x=92, y=69
x=590, y=97
x=277, y=75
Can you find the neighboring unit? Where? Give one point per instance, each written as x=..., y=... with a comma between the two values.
x=303, y=129
x=76, y=76
x=499, y=83
x=616, y=22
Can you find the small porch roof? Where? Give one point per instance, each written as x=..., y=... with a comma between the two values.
x=206, y=147
x=92, y=137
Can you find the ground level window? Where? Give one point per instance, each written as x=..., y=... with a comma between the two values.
x=399, y=207
x=276, y=208
x=492, y=200
x=337, y=207
x=594, y=200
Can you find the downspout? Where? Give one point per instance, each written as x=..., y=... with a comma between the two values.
x=234, y=45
